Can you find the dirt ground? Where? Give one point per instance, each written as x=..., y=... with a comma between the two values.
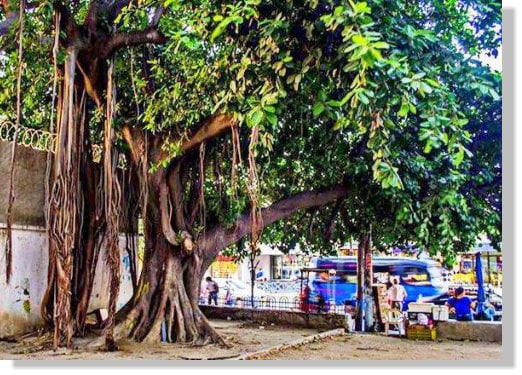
x=251, y=341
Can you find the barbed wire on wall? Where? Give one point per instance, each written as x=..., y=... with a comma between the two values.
x=44, y=141
x=33, y=138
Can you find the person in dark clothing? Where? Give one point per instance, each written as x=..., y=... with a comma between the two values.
x=212, y=290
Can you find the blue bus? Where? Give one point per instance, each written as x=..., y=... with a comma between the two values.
x=334, y=279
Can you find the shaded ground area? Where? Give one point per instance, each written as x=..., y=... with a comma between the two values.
x=245, y=339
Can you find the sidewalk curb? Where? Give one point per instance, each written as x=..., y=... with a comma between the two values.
x=308, y=339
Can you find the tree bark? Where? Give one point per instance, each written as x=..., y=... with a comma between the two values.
x=219, y=237
x=168, y=290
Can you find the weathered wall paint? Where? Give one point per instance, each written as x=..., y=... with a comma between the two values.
x=29, y=188
x=20, y=300
x=28, y=280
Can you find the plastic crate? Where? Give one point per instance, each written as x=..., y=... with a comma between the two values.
x=421, y=332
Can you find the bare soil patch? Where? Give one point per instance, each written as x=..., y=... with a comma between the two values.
x=246, y=339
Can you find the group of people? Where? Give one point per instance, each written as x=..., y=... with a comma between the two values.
x=460, y=305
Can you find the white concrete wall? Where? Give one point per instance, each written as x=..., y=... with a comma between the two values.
x=20, y=299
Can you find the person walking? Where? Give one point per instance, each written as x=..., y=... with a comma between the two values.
x=396, y=295
x=212, y=290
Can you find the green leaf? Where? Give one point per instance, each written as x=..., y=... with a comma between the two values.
x=346, y=98
x=432, y=82
x=426, y=88
x=403, y=111
x=360, y=40
x=381, y=45
x=494, y=94
x=272, y=119
x=317, y=109
x=458, y=157
x=362, y=7
x=269, y=109
x=219, y=29
x=363, y=98
x=376, y=54
x=334, y=103
x=255, y=117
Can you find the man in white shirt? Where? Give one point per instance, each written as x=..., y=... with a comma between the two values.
x=397, y=294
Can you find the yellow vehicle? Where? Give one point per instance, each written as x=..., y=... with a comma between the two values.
x=491, y=268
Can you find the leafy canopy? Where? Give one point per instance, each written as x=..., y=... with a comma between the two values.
x=386, y=95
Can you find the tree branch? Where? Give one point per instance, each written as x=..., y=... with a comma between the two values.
x=168, y=232
x=219, y=237
x=176, y=190
x=209, y=128
x=136, y=142
x=130, y=39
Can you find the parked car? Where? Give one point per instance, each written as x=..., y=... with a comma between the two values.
x=235, y=292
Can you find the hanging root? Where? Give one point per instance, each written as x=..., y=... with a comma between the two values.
x=112, y=203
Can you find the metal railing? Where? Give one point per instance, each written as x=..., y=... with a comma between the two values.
x=274, y=302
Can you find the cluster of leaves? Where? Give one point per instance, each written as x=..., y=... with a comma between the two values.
x=37, y=79
x=382, y=95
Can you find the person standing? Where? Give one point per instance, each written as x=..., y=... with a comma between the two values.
x=212, y=290
x=396, y=295
x=461, y=305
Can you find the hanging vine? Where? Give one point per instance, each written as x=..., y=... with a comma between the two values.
x=11, y=199
x=236, y=157
x=112, y=202
x=253, y=190
x=63, y=206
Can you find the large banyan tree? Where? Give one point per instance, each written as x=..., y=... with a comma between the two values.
x=210, y=121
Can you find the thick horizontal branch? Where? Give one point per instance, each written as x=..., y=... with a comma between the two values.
x=130, y=39
x=219, y=237
x=209, y=128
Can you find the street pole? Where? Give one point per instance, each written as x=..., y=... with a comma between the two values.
x=368, y=282
x=332, y=273
x=359, y=316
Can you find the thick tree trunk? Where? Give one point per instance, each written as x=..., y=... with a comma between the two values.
x=165, y=305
